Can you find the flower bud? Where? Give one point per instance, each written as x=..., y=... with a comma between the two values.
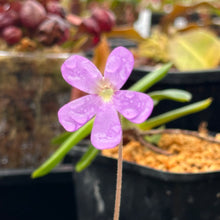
x=105, y=18
x=53, y=30
x=12, y=35
x=16, y=6
x=54, y=7
x=32, y=13
x=7, y=18
x=89, y=25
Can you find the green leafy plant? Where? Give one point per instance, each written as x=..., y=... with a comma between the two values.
x=68, y=140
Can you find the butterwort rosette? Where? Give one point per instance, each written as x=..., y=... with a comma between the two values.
x=105, y=100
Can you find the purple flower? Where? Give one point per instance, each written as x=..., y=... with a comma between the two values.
x=105, y=98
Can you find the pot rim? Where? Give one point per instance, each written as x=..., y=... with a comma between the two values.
x=36, y=54
x=176, y=77
x=23, y=176
x=128, y=166
x=147, y=68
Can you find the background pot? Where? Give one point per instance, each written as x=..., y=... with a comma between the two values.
x=31, y=91
x=49, y=197
x=146, y=193
x=202, y=85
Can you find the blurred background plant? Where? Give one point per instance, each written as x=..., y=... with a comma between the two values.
x=177, y=31
x=187, y=34
x=31, y=25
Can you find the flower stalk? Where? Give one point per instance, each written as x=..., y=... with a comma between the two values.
x=119, y=179
x=118, y=182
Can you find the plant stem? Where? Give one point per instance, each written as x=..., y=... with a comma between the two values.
x=138, y=135
x=119, y=182
x=180, y=131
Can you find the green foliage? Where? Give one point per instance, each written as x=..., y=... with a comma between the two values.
x=150, y=79
x=174, y=114
x=87, y=158
x=172, y=94
x=65, y=147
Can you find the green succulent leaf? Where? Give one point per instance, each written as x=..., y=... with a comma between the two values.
x=150, y=79
x=61, y=138
x=174, y=114
x=70, y=142
x=87, y=158
x=172, y=94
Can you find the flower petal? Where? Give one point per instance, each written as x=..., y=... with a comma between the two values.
x=107, y=131
x=76, y=113
x=134, y=106
x=119, y=66
x=81, y=73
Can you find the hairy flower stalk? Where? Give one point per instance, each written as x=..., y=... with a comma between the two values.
x=118, y=182
x=105, y=101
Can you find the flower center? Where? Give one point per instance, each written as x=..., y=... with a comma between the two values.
x=105, y=90
x=106, y=94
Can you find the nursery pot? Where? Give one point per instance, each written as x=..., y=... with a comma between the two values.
x=202, y=85
x=48, y=197
x=146, y=193
x=31, y=92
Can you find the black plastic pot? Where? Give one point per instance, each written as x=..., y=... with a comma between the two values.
x=49, y=197
x=146, y=193
x=202, y=85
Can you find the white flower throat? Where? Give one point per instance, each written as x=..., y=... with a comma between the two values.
x=105, y=90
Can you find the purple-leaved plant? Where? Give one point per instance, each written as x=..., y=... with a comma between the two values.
x=105, y=99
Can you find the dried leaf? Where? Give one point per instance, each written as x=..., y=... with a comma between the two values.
x=101, y=53
x=125, y=32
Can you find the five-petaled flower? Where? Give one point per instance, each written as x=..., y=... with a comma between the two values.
x=105, y=99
